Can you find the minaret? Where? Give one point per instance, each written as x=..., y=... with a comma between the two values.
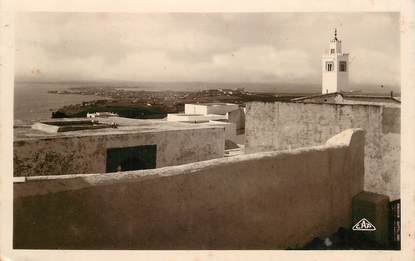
x=335, y=68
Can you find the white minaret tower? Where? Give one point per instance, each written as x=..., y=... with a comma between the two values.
x=335, y=67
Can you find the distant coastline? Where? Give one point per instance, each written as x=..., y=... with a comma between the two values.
x=140, y=104
x=37, y=100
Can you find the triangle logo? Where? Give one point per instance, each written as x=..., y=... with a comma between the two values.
x=364, y=225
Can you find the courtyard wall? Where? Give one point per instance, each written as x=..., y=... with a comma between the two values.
x=266, y=200
x=281, y=126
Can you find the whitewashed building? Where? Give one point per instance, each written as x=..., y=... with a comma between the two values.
x=226, y=115
x=210, y=108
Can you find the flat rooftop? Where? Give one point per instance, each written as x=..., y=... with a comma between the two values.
x=383, y=100
x=124, y=126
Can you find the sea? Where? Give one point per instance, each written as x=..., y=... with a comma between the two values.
x=32, y=102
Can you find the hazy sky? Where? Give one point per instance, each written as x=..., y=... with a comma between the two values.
x=236, y=47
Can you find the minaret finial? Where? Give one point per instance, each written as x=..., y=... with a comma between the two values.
x=335, y=34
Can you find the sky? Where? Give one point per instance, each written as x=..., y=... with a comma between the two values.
x=204, y=47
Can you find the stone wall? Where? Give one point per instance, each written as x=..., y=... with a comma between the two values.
x=87, y=153
x=268, y=200
x=281, y=126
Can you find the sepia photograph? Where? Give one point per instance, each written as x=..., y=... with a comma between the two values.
x=174, y=131
x=207, y=131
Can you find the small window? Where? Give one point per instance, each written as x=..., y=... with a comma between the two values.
x=342, y=66
x=332, y=51
x=329, y=66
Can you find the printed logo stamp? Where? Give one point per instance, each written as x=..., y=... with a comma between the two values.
x=364, y=225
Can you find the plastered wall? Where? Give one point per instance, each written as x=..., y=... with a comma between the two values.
x=269, y=200
x=280, y=126
x=87, y=154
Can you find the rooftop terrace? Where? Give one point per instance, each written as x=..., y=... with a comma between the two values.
x=124, y=126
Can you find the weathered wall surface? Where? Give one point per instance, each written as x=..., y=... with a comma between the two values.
x=87, y=154
x=281, y=126
x=269, y=200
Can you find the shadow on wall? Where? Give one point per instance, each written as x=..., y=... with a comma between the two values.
x=254, y=201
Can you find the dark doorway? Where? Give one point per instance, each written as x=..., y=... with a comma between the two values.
x=131, y=158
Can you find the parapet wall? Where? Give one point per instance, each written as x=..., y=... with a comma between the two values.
x=268, y=200
x=88, y=153
x=281, y=126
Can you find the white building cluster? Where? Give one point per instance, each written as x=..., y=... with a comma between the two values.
x=228, y=115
